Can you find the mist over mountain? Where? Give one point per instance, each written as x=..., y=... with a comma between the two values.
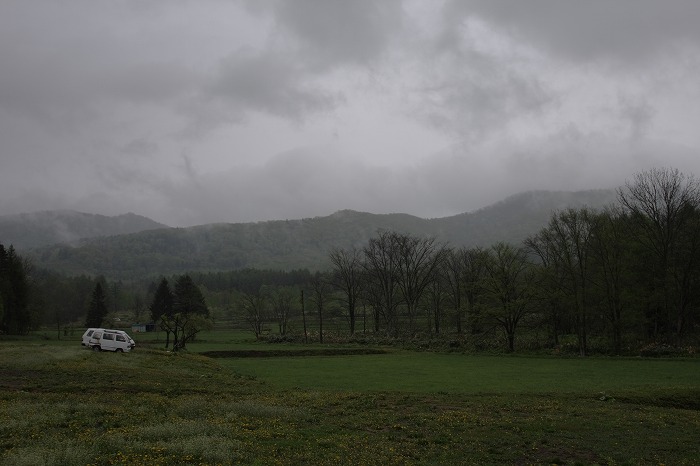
x=30, y=230
x=301, y=243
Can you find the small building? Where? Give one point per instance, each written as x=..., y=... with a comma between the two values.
x=141, y=328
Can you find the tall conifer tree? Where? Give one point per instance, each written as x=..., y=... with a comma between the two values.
x=98, y=307
x=14, y=292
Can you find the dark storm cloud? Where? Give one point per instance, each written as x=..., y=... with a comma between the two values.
x=268, y=83
x=624, y=30
x=473, y=102
x=62, y=74
x=147, y=82
x=286, y=78
x=339, y=31
x=140, y=147
x=303, y=107
x=471, y=87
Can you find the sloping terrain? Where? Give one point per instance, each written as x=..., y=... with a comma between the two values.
x=305, y=243
x=31, y=230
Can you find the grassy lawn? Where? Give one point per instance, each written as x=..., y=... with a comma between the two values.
x=63, y=405
x=407, y=371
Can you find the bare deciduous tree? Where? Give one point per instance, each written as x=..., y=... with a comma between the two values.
x=419, y=260
x=254, y=306
x=473, y=271
x=509, y=288
x=452, y=274
x=320, y=296
x=565, y=246
x=347, y=277
x=662, y=204
x=611, y=253
x=381, y=268
x=281, y=298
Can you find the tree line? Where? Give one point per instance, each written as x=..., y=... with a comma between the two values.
x=608, y=280
x=627, y=275
x=181, y=312
x=31, y=298
x=15, y=316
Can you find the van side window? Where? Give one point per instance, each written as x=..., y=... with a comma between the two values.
x=108, y=336
x=120, y=338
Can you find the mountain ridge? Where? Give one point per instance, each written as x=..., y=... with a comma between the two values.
x=300, y=243
x=35, y=229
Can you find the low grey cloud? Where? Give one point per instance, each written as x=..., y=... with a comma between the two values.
x=140, y=147
x=316, y=181
x=267, y=83
x=194, y=112
x=630, y=31
x=638, y=112
x=339, y=32
x=311, y=39
x=472, y=102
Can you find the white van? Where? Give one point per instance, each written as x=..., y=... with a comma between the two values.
x=86, y=336
x=104, y=339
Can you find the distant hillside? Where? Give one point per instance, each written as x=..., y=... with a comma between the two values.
x=31, y=230
x=517, y=217
x=293, y=244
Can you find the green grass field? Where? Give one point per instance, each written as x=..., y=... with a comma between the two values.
x=64, y=405
x=405, y=371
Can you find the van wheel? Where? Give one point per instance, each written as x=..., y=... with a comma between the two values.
x=119, y=350
x=96, y=348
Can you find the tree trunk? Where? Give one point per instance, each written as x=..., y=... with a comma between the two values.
x=459, y=318
x=351, y=311
x=320, y=324
x=303, y=316
x=510, y=333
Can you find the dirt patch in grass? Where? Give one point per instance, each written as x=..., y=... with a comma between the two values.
x=673, y=398
x=14, y=379
x=278, y=353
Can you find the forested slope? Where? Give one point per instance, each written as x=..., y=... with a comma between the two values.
x=36, y=229
x=305, y=243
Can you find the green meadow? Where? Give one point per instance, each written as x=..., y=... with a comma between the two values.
x=404, y=371
x=311, y=404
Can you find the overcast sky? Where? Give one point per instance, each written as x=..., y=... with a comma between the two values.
x=201, y=111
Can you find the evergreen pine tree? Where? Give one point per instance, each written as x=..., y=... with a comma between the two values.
x=162, y=301
x=98, y=307
x=2, y=309
x=162, y=309
x=14, y=292
x=190, y=312
x=188, y=298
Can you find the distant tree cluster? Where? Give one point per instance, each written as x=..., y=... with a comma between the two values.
x=15, y=316
x=181, y=312
x=629, y=273
x=413, y=284
x=612, y=280
x=258, y=298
